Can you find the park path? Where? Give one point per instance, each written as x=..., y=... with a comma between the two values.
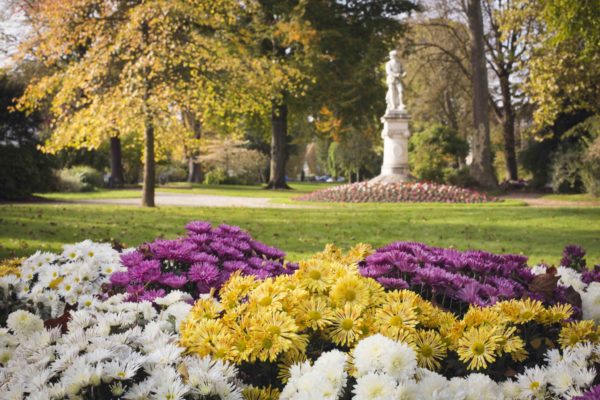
x=196, y=200
x=206, y=200
x=536, y=200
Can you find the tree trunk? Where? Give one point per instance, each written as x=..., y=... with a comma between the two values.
x=278, y=146
x=481, y=166
x=508, y=129
x=116, y=163
x=149, y=166
x=194, y=167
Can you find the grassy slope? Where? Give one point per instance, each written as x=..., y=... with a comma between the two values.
x=539, y=233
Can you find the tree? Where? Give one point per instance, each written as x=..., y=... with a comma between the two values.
x=481, y=166
x=438, y=84
x=127, y=66
x=564, y=66
x=507, y=49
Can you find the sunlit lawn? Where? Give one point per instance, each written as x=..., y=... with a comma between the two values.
x=185, y=188
x=539, y=233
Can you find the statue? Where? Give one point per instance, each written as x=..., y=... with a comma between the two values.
x=394, y=71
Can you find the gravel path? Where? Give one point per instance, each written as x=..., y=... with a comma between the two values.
x=197, y=200
x=535, y=200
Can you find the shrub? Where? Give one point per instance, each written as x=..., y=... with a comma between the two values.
x=79, y=179
x=24, y=170
x=215, y=176
x=170, y=173
x=590, y=174
x=567, y=168
x=434, y=150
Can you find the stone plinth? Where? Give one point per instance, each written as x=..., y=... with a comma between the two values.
x=395, y=148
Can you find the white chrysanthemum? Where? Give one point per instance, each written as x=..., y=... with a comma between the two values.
x=570, y=277
x=532, y=382
x=399, y=361
x=538, y=269
x=560, y=379
x=173, y=297
x=176, y=312
x=590, y=301
x=511, y=390
x=375, y=386
x=24, y=323
x=431, y=385
x=481, y=387
x=368, y=353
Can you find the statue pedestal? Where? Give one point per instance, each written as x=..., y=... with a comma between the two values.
x=395, y=148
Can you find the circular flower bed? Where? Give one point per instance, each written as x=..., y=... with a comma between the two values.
x=417, y=192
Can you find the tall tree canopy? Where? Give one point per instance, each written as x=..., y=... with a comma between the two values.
x=126, y=67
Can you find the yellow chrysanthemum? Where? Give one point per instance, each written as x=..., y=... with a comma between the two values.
x=267, y=295
x=430, y=349
x=350, y=290
x=511, y=343
x=579, y=331
x=312, y=276
x=206, y=337
x=555, y=314
x=346, y=327
x=477, y=316
x=11, y=266
x=314, y=313
x=255, y=393
x=236, y=289
x=520, y=311
x=206, y=309
x=272, y=333
x=358, y=253
x=477, y=347
x=396, y=320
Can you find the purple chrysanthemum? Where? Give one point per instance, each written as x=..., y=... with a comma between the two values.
x=592, y=394
x=198, y=263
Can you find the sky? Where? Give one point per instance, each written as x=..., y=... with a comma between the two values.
x=13, y=25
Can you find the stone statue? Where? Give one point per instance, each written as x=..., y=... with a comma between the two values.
x=395, y=72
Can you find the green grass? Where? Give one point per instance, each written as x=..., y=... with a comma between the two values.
x=186, y=188
x=540, y=233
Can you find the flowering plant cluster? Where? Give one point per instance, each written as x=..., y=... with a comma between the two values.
x=385, y=369
x=415, y=192
x=265, y=327
x=48, y=282
x=455, y=279
x=112, y=349
x=197, y=263
x=216, y=315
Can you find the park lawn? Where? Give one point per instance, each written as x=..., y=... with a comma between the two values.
x=540, y=233
x=186, y=188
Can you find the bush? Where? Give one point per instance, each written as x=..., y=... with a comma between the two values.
x=23, y=171
x=170, y=173
x=79, y=179
x=590, y=174
x=215, y=176
x=567, y=168
x=434, y=150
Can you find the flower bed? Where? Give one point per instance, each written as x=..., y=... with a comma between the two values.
x=197, y=263
x=416, y=192
x=455, y=279
x=336, y=326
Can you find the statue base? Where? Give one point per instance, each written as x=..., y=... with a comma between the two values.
x=395, y=136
